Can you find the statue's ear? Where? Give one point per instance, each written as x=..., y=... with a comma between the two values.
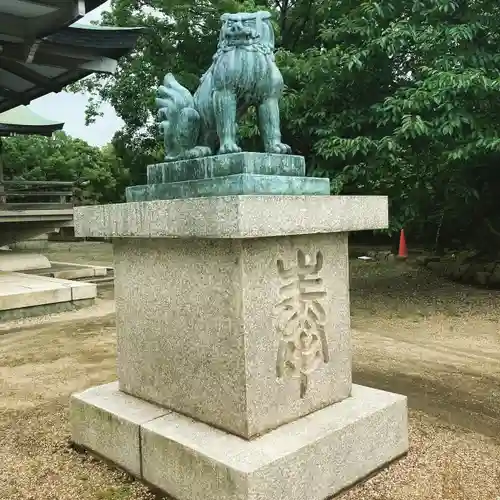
x=224, y=17
x=263, y=14
x=271, y=40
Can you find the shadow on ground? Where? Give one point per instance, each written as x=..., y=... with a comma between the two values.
x=436, y=341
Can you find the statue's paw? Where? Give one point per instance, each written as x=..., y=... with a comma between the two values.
x=191, y=153
x=279, y=148
x=204, y=151
x=229, y=147
x=168, y=158
x=198, y=152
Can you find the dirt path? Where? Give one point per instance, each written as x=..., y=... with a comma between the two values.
x=39, y=368
x=434, y=341
x=440, y=347
x=444, y=377
x=42, y=365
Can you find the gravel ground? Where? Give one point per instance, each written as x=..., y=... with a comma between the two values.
x=445, y=462
x=411, y=331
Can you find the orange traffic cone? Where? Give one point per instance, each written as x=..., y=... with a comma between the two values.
x=403, y=250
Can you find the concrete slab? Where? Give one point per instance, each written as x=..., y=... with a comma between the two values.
x=45, y=310
x=311, y=458
x=13, y=261
x=18, y=291
x=83, y=291
x=71, y=270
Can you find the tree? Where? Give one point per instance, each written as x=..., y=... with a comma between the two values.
x=396, y=98
x=63, y=158
x=421, y=83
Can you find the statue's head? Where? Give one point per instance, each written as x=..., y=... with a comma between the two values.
x=246, y=28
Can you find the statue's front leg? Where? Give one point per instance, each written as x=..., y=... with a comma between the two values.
x=224, y=102
x=269, y=117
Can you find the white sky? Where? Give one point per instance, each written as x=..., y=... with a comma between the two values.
x=70, y=108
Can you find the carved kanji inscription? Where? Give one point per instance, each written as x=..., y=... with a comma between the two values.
x=301, y=323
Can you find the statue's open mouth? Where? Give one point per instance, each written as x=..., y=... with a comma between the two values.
x=241, y=37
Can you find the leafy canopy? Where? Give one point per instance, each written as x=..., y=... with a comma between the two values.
x=397, y=98
x=62, y=158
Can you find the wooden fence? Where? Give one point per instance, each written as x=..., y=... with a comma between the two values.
x=36, y=195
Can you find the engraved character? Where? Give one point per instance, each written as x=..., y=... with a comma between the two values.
x=301, y=324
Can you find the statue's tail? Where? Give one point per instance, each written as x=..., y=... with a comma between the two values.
x=172, y=97
x=178, y=116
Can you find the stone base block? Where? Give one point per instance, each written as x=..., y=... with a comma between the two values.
x=223, y=165
x=13, y=261
x=108, y=422
x=19, y=290
x=230, y=185
x=311, y=458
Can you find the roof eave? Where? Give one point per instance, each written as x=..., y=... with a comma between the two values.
x=19, y=24
x=45, y=130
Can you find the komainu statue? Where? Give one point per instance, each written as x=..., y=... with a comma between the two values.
x=243, y=73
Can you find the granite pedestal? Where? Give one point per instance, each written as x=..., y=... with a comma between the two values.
x=234, y=349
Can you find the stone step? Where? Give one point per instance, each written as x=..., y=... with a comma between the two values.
x=23, y=295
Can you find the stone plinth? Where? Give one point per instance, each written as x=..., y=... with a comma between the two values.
x=235, y=217
x=239, y=184
x=226, y=165
x=311, y=458
x=205, y=330
x=232, y=174
x=107, y=421
x=216, y=328
x=233, y=319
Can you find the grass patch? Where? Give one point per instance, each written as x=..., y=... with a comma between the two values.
x=120, y=493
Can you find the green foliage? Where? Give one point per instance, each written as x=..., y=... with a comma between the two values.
x=424, y=80
x=62, y=158
x=396, y=98
x=115, y=493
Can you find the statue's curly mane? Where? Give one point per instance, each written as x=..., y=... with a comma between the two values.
x=267, y=34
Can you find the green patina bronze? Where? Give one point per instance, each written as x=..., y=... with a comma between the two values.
x=230, y=164
x=243, y=74
x=231, y=174
x=239, y=184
